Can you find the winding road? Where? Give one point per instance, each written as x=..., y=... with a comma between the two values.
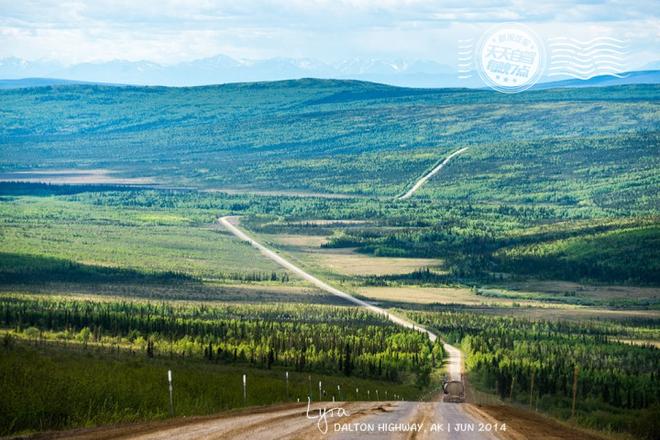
x=455, y=360
x=391, y=420
x=435, y=420
x=231, y=227
x=454, y=355
x=422, y=180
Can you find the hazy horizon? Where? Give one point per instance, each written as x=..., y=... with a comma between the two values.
x=170, y=32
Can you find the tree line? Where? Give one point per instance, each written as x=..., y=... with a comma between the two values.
x=324, y=339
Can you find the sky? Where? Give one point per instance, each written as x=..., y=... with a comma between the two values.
x=170, y=31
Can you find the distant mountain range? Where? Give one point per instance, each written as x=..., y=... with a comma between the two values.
x=223, y=69
x=38, y=82
x=636, y=77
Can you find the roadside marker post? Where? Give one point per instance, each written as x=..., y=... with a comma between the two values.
x=531, y=389
x=245, y=389
x=169, y=380
x=575, y=382
x=287, y=385
x=320, y=392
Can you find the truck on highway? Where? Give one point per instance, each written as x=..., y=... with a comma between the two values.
x=454, y=391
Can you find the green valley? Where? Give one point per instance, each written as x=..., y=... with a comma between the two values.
x=534, y=250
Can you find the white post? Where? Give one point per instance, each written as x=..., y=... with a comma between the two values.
x=244, y=388
x=338, y=392
x=368, y=394
x=377, y=398
x=320, y=392
x=169, y=380
x=356, y=393
x=287, y=385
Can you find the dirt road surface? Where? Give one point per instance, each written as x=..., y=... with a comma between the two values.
x=374, y=420
x=371, y=420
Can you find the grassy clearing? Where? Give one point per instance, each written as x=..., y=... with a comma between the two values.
x=564, y=313
x=73, y=176
x=181, y=291
x=588, y=290
x=576, y=294
x=309, y=242
x=432, y=295
x=359, y=264
x=343, y=262
x=137, y=239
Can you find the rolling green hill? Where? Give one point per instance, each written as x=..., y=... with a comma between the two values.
x=571, y=164
x=343, y=137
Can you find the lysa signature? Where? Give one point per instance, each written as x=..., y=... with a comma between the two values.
x=324, y=413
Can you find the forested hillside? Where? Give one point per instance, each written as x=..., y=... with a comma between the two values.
x=559, y=183
x=346, y=137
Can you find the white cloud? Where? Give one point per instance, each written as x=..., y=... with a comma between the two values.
x=173, y=30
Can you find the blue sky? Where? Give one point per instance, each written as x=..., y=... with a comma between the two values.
x=170, y=31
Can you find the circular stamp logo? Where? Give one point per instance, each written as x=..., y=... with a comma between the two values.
x=510, y=58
